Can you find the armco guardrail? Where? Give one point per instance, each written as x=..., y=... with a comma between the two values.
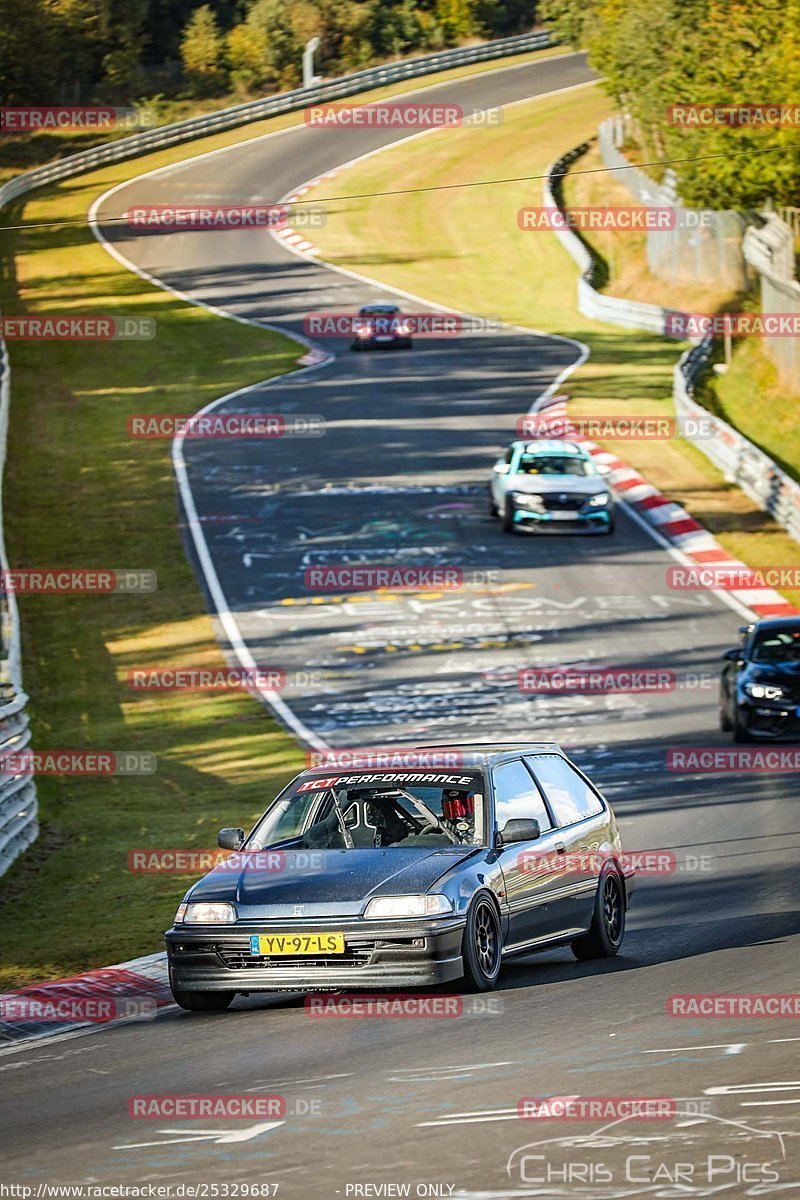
x=18, y=805
x=741, y=462
x=591, y=302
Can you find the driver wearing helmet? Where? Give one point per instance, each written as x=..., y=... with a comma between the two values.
x=458, y=812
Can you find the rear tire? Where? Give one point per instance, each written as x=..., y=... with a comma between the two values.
x=607, y=929
x=202, y=1001
x=481, y=948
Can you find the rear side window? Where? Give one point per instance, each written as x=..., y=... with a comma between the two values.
x=516, y=795
x=570, y=797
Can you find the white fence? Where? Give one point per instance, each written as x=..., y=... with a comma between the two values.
x=740, y=461
x=18, y=805
x=705, y=245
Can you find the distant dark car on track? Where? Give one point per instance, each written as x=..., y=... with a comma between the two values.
x=381, y=325
x=364, y=878
x=760, y=685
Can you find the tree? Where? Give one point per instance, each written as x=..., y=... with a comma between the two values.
x=202, y=48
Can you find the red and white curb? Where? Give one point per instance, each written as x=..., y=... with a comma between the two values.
x=674, y=524
x=129, y=991
x=293, y=239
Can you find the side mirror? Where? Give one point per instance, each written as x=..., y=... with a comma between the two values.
x=519, y=829
x=603, y=468
x=501, y=468
x=733, y=655
x=230, y=839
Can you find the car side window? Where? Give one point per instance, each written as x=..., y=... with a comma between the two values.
x=570, y=797
x=516, y=795
x=509, y=454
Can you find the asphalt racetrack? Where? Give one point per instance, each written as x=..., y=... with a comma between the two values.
x=400, y=476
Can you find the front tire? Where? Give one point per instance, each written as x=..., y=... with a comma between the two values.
x=607, y=929
x=201, y=1001
x=508, y=517
x=740, y=731
x=481, y=948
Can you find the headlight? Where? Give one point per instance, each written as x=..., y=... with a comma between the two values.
x=600, y=499
x=205, y=914
x=408, y=906
x=764, y=691
x=523, y=500
x=403, y=330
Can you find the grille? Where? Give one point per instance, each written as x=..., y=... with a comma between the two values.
x=564, y=501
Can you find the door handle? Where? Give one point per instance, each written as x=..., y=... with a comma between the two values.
x=561, y=848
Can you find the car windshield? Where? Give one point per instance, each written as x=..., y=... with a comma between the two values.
x=378, y=312
x=353, y=812
x=554, y=464
x=777, y=646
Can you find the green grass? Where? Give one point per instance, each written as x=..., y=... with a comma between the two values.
x=80, y=492
x=462, y=247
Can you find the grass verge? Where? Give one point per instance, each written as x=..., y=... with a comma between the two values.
x=463, y=247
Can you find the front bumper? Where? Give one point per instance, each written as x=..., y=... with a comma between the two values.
x=598, y=521
x=377, y=954
x=770, y=721
x=381, y=343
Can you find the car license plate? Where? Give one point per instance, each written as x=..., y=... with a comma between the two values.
x=384, y=337
x=297, y=943
x=563, y=515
